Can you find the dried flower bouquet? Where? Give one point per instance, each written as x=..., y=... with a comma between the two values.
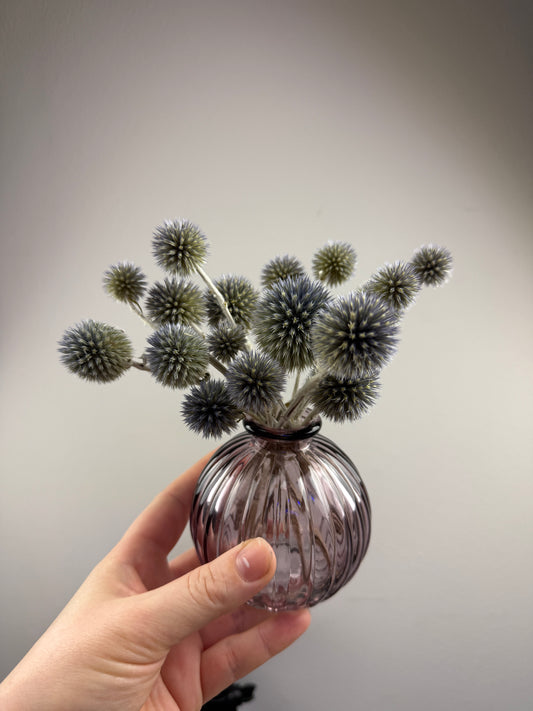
x=333, y=346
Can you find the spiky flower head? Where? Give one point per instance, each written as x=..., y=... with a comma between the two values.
x=175, y=301
x=397, y=284
x=240, y=297
x=125, y=282
x=342, y=399
x=226, y=341
x=96, y=351
x=209, y=410
x=179, y=247
x=255, y=382
x=355, y=335
x=284, y=318
x=177, y=356
x=334, y=263
x=281, y=268
x=432, y=264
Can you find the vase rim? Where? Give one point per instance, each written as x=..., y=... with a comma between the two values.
x=283, y=434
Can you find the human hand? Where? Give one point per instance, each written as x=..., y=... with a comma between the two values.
x=145, y=633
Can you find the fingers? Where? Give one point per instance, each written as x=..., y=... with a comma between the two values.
x=190, y=602
x=242, y=619
x=160, y=525
x=234, y=657
x=183, y=564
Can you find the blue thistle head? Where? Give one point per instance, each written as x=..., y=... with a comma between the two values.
x=432, y=265
x=396, y=284
x=179, y=247
x=284, y=318
x=177, y=356
x=95, y=351
x=240, y=297
x=209, y=410
x=226, y=341
x=281, y=268
x=355, y=335
x=255, y=382
x=125, y=282
x=334, y=263
x=175, y=301
x=342, y=399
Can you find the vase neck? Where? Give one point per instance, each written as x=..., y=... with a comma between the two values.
x=282, y=435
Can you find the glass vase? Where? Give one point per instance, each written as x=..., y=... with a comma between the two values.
x=300, y=492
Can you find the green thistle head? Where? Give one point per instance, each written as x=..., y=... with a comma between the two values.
x=432, y=265
x=239, y=295
x=95, y=351
x=125, y=282
x=334, y=263
x=342, y=399
x=176, y=356
x=281, y=268
x=175, y=302
x=255, y=382
x=284, y=318
x=209, y=410
x=179, y=247
x=355, y=335
x=397, y=284
x=226, y=341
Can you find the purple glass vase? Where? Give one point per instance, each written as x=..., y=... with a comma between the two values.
x=300, y=492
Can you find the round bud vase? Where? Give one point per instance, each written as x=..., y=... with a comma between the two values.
x=300, y=492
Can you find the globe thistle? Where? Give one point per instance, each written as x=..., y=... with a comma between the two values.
x=96, y=351
x=334, y=263
x=177, y=357
x=179, y=247
x=209, y=410
x=240, y=297
x=284, y=318
x=355, y=335
x=281, y=268
x=342, y=399
x=432, y=264
x=397, y=284
x=255, y=382
x=175, y=301
x=226, y=341
x=125, y=282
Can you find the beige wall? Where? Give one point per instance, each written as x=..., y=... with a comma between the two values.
x=276, y=126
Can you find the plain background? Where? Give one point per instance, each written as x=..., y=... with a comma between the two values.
x=277, y=126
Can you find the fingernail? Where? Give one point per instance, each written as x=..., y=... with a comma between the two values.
x=253, y=560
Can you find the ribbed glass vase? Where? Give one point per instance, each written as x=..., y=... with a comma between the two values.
x=300, y=492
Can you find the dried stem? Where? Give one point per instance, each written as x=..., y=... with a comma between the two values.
x=299, y=401
x=140, y=365
x=137, y=309
x=216, y=293
x=220, y=301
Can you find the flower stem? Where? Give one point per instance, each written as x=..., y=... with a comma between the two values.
x=216, y=293
x=300, y=398
x=216, y=364
x=140, y=365
x=136, y=308
x=221, y=302
x=296, y=384
x=315, y=412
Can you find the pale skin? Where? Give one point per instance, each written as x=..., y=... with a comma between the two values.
x=143, y=633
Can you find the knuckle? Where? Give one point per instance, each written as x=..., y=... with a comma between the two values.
x=206, y=588
x=234, y=664
x=265, y=643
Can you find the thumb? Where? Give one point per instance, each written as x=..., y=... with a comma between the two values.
x=187, y=604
